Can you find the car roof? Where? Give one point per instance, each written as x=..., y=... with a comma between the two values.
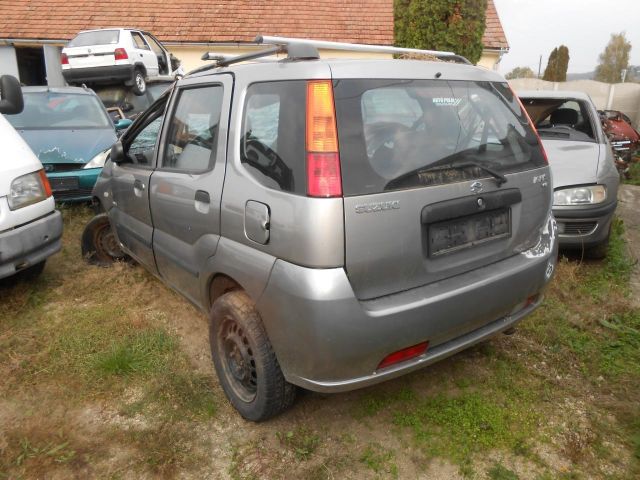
x=370, y=68
x=112, y=28
x=559, y=94
x=72, y=90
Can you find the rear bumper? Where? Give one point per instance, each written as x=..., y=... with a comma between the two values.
x=30, y=244
x=327, y=340
x=580, y=227
x=98, y=74
x=86, y=180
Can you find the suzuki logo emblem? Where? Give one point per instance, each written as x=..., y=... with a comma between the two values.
x=477, y=187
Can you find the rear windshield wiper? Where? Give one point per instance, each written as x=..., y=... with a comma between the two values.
x=454, y=165
x=500, y=179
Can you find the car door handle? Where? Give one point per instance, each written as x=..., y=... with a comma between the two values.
x=203, y=197
x=138, y=185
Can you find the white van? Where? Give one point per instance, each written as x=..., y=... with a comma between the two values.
x=30, y=227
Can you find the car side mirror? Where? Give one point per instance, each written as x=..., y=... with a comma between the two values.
x=117, y=153
x=11, y=101
x=123, y=123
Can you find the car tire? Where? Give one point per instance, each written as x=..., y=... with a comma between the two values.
x=99, y=244
x=139, y=83
x=244, y=359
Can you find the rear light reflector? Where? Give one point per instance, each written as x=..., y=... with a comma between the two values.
x=64, y=60
x=323, y=159
x=120, y=54
x=45, y=183
x=403, y=355
x=323, y=175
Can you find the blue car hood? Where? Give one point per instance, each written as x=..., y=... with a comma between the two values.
x=68, y=146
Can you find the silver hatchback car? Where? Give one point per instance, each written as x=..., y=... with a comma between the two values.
x=585, y=178
x=342, y=222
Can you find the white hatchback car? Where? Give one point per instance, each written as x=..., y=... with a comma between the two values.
x=30, y=226
x=114, y=55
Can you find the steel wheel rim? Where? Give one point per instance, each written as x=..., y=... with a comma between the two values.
x=106, y=243
x=140, y=82
x=238, y=360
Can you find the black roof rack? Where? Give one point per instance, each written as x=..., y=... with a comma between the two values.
x=294, y=51
x=305, y=49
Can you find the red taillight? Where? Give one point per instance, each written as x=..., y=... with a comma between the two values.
x=533, y=127
x=120, y=54
x=323, y=159
x=64, y=60
x=323, y=175
x=403, y=355
x=45, y=183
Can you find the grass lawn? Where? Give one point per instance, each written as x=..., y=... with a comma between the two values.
x=106, y=374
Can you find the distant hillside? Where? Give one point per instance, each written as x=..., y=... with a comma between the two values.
x=581, y=76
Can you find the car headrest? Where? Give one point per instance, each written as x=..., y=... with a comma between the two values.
x=564, y=116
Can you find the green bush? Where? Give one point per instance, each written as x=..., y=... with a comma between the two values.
x=450, y=25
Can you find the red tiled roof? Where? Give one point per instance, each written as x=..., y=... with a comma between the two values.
x=494, y=36
x=361, y=21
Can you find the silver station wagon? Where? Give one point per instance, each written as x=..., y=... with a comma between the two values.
x=342, y=222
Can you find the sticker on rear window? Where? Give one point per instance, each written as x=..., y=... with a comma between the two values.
x=446, y=101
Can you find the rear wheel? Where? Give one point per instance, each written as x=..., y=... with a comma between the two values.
x=99, y=244
x=245, y=361
x=139, y=83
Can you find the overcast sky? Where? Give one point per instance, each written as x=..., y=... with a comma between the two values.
x=536, y=27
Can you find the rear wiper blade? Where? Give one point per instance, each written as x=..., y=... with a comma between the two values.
x=500, y=179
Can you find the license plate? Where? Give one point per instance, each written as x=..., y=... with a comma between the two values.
x=460, y=233
x=63, y=184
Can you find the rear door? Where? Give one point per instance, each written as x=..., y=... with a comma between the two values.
x=131, y=214
x=144, y=54
x=186, y=188
x=419, y=204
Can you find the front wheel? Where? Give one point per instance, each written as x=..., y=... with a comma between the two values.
x=139, y=82
x=99, y=244
x=244, y=359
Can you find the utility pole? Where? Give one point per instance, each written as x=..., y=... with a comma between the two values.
x=539, y=66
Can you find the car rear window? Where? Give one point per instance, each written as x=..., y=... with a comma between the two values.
x=48, y=110
x=99, y=37
x=397, y=134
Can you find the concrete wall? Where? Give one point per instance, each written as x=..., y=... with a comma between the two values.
x=8, y=61
x=620, y=96
x=489, y=59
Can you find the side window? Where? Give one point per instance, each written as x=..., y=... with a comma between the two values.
x=139, y=42
x=273, y=134
x=193, y=133
x=140, y=148
x=154, y=45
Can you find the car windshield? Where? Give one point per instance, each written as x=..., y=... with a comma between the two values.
x=98, y=37
x=560, y=118
x=48, y=110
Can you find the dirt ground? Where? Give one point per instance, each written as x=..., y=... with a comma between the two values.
x=540, y=404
